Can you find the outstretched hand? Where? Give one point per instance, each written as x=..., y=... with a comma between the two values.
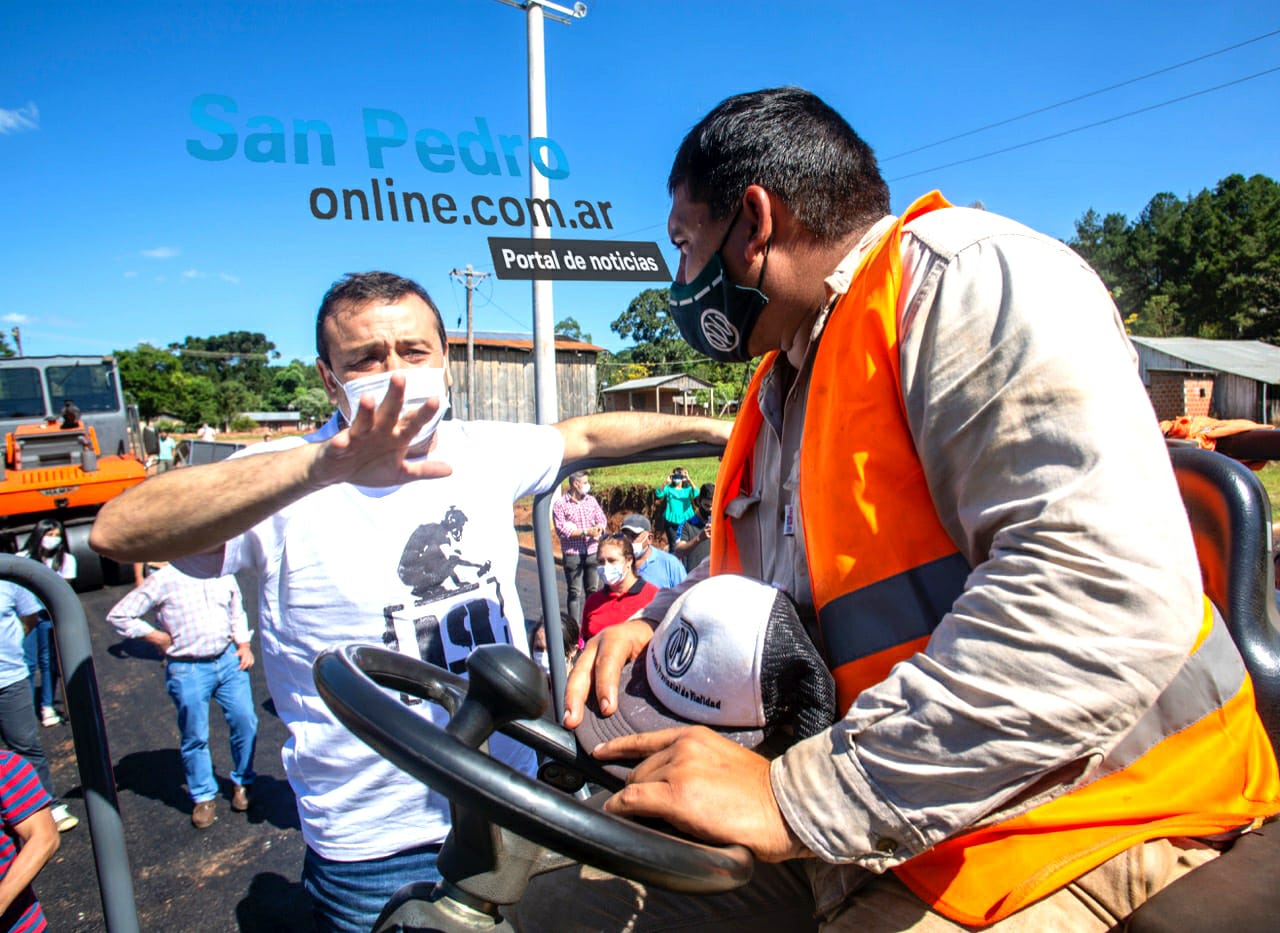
x=601, y=663
x=374, y=450
x=705, y=785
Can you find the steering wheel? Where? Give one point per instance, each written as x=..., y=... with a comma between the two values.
x=507, y=691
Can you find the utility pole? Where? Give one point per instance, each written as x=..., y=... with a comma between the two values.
x=544, y=340
x=470, y=277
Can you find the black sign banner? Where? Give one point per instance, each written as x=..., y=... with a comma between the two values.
x=578, y=260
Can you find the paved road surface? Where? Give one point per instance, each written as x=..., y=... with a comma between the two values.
x=241, y=873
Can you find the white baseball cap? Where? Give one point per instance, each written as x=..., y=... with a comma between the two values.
x=731, y=654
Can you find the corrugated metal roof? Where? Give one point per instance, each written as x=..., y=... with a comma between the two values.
x=515, y=341
x=651, y=382
x=1252, y=359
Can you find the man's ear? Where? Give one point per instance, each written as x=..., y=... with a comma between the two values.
x=760, y=210
x=332, y=388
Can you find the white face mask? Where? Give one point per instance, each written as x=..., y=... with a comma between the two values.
x=540, y=659
x=612, y=574
x=420, y=383
x=637, y=548
x=51, y=542
x=586, y=488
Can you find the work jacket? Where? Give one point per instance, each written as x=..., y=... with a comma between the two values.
x=1198, y=762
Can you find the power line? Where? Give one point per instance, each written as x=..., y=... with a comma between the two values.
x=1072, y=100
x=1088, y=126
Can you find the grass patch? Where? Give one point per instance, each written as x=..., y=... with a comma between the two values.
x=701, y=470
x=1270, y=476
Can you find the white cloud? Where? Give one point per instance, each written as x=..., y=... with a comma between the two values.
x=193, y=274
x=226, y=277
x=131, y=274
x=14, y=318
x=161, y=252
x=20, y=120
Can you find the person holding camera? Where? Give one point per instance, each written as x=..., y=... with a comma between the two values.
x=679, y=494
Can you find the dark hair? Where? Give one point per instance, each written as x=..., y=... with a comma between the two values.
x=42, y=528
x=577, y=475
x=356, y=289
x=624, y=539
x=788, y=141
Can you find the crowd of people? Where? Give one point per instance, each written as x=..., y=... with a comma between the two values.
x=1009, y=609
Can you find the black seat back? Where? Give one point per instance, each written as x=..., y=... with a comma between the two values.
x=1231, y=523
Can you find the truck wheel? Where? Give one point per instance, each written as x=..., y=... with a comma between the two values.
x=88, y=563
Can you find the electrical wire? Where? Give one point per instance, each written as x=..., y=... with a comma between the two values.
x=1080, y=97
x=1087, y=126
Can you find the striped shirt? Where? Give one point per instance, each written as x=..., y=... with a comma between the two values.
x=21, y=797
x=202, y=617
x=572, y=515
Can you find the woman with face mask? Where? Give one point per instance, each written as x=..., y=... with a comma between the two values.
x=47, y=544
x=622, y=592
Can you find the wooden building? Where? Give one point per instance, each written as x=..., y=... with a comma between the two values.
x=504, y=389
x=1218, y=378
x=672, y=394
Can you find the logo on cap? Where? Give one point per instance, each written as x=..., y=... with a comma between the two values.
x=682, y=645
x=719, y=330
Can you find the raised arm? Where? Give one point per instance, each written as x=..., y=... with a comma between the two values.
x=198, y=509
x=619, y=433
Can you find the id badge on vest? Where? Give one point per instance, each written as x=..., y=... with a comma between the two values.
x=789, y=520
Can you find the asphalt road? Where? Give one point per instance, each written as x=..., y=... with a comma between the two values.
x=240, y=874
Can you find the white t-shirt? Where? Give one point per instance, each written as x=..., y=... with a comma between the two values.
x=427, y=568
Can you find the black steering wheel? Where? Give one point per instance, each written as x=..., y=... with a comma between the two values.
x=507, y=691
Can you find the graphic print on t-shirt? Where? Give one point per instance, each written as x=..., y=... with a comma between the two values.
x=445, y=585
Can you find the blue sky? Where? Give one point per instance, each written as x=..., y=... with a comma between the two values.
x=112, y=233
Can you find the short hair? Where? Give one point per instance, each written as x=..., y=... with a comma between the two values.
x=577, y=475
x=788, y=141
x=356, y=289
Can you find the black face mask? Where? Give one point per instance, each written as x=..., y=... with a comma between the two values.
x=714, y=315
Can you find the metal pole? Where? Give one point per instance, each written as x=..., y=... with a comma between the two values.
x=544, y=344
x=88, y=736
x=471, y=353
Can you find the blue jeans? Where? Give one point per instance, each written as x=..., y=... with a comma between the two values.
x=346, y=897
x=191, y=684
x=39, y=648
x=21, y=733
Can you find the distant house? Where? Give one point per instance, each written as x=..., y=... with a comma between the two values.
x=275, y=420
x=503, y=368
x=1220, y=378
x=672, y=394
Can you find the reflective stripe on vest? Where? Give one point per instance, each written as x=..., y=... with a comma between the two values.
x=884, y=574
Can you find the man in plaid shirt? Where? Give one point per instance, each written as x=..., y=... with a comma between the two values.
x=579, y=522
x=204, y=634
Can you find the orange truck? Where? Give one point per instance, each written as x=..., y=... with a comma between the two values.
x=68, y=449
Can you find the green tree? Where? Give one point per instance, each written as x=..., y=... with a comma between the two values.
x=312, y=404
x=570, y=329
x=1207, y=266
x=287, y=382
x=149, y=377
x=231, y=398
x=239, y=355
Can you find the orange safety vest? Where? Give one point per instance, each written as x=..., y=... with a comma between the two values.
x=884, y=573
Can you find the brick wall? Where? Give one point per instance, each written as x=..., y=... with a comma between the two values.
x=1174, y=394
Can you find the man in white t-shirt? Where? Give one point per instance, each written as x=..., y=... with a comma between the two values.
x=349, y=548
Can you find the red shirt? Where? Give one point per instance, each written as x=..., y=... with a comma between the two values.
x=604, y=607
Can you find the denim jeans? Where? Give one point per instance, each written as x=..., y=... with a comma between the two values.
x=346, y=897
x=39, y=649
x=21, y=733
x=579, y=575
x=191, y=684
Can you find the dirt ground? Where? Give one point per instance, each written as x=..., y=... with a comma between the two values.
x=242, y=873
